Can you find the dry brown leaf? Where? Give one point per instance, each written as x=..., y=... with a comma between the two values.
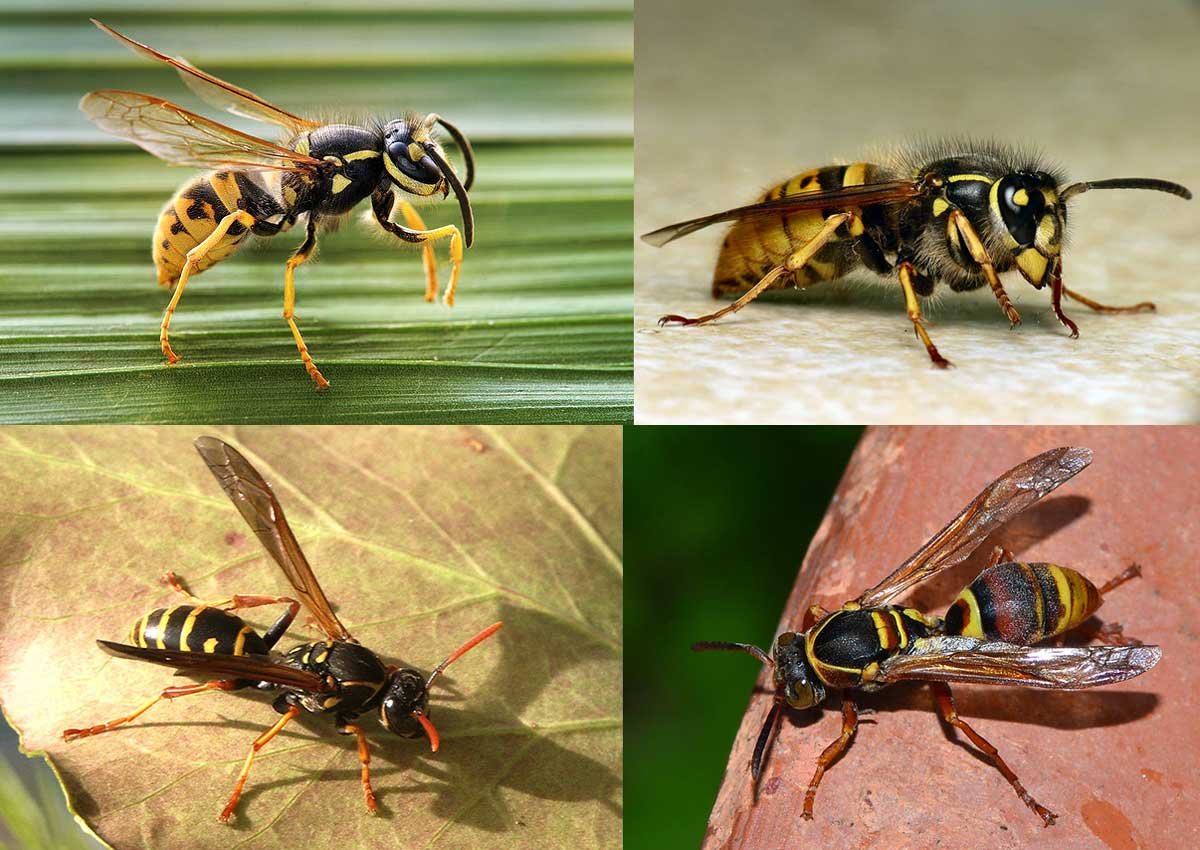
x=420, y=537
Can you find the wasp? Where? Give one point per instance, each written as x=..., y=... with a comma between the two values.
x=987, y=636
x=954, y=212
x=317, y=172
x=335, y=676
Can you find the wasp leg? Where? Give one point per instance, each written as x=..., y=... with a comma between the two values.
x=364, y=756
x=971, y=239
x=1133, y=571
x=1000, y=555
x=168, y=693
x=1114, y=633
x=194, y=256
x=302, y=254
x=906, y=271
x=793, y=263
x=1140, y=307
x=814, y=614
x=414, y=220
x=945, y=701
x=1056, y=292
x=239, y=602
x=382, y=204
x=831, y=753
x=259, y=743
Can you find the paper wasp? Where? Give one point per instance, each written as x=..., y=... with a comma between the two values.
x=986, y=637
x=958, y=212
x=318, y=171
x=336, y=676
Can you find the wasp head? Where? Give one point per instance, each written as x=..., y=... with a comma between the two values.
x=416, y=162
x=795, y=680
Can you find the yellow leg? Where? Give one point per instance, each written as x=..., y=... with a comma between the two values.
x=193, y=256
x=905, y=272
x=975, y=246
x=303, y=253
x=456, y=256
x=413, y=219
x=260, y=742
x=793, y=263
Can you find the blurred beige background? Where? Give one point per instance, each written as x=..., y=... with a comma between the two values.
x=733, y=99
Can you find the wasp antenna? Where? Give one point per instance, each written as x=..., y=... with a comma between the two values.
x=451, y=658
x=764, y=737
x=1128, y=183
x=430, y=731
x=749, y=648
x=464, y=148
x=460, y=192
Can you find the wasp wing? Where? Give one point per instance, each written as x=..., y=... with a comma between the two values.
x=257, y=667
x=180, y=137
x=1000, y=501
x=216, y=91
x=253, y=497
x=868, y=194
x=964, y=659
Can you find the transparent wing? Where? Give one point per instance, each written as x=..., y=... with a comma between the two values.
x=216, y=91
x=870, y=194
x=963, y=659
x=1000, y=501
x=180, y=137
x=255, y=667
x=247, y=489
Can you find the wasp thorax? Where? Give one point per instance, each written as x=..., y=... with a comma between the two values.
x=794, y=678
x=406, y=697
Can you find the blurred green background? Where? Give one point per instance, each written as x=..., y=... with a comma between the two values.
x=541, y=330
x=717, y=521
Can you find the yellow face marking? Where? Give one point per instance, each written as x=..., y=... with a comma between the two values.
x=855, y=175
x=415, y=152
x=239, y=645
x=955, y=178
x=357, y=155
x=188, y=624
x=210, y=645
x=340, y=182
x=1045, y=231
x=940, y=205
x=162, y=626
x=1033, y=264
x=1020, y=197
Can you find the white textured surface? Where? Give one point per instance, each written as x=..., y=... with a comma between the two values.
x=730, y=102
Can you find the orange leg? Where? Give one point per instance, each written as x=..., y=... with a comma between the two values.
x=364, y=756
x=259, y=743
x=945, y=701
x=796, y=261
x=233, y=603
x=1000, y=555
x=168, y=693
x=1141, y=307
x=831, y=753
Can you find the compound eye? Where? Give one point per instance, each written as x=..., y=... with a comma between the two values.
x=1021, y=205
x=398, y=153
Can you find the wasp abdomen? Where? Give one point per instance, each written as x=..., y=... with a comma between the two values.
x=756, y=244
x=197, y=628
x=1022, y=603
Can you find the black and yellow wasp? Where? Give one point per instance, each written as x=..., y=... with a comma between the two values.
x=335, y=676
x=318, y=172
x=986, y=637
x=959, y=212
